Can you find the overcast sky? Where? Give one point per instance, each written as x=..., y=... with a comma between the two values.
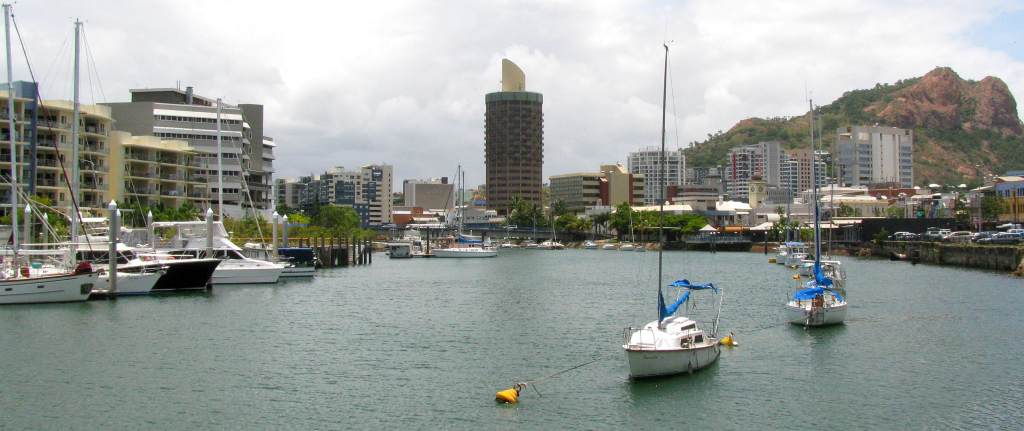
x=403, y=82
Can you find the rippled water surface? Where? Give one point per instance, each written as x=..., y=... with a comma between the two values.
x=425, y=343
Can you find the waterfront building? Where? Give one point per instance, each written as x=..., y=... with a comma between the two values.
x=366, y=190
x=875, y=154
x=1010, y=190
x=154, y=172
x=113, y=165
x=513, y=141
x=43, y=140
x=434, y=193
x=290, y=192
x=647, y=162
x=612, y=186
x=246, y=153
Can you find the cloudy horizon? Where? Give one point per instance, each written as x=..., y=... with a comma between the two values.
x=404, y=82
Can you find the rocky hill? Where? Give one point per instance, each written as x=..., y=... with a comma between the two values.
x=963, y=129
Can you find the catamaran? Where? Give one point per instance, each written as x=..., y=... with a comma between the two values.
x=671, y=344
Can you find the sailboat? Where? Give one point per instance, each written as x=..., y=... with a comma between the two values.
x=628, y=247
x=552, y=244
x=671, y=344
x=817, y=303
x=19, y=282
x=464, y=246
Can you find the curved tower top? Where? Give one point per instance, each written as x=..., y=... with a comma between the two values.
x=512, y=77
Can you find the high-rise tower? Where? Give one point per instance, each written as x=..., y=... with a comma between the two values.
x=513, y=141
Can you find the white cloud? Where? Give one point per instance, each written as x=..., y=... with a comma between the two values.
x=348, y=83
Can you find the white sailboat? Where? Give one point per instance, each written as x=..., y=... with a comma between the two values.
x=671, y=344
x=817, y=303
x=18, y=283
x=464, y=246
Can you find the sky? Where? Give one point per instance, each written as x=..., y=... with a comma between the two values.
x=403, y=82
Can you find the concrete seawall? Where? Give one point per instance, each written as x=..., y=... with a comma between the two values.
x=998, y=257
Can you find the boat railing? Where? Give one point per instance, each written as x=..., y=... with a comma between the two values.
x=627, y=338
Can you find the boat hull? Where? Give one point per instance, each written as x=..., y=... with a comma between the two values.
x=246, y=274
x=644, y=363
x=802, y=315
x=129, y=284
x=55, y=288
x=186, y=274
x=464, y=253
x=298, y=271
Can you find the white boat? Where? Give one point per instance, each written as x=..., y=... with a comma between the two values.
x=816, y=306
x=399, y=250
x=189, y=240
x=590, y=245
x=551, y=245
x=671, y=344
x=287, y=256
x=18, y=283
x=817, y=303
x=608, y=246
x=625, y=246
x=67, y=287
x=464, y=246
x=464, y=252
x=639, y=248
x=781, y=253
x=795, y=254
x=508, y=244
x=129, y=283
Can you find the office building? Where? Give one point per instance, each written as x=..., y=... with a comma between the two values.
x=246, y=154
x=612, y=186
x=429, y=194
x=875, y=154
x=513, y=141
x=289, y=192
x=646, y=162
x=796, y=171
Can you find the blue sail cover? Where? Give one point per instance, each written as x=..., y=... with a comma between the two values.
x=667, y=311
x=463, y=239
x=810, y=292
x=664, y=311
x=687, y=285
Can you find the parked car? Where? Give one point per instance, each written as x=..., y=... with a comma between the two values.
x=958, y=236
x=1016, y=231
x=936, y=234
x=1003, y=238
x=904, y=236
x=982, y=235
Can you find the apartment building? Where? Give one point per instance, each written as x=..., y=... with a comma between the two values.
x=44, y=151
x=246, y=154
x=743, y=163
x=875, y=154
x=366, y=190
x=152, y=171
x=646, y=162
x=797, y=172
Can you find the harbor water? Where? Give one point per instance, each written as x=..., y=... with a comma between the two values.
x=425, y=343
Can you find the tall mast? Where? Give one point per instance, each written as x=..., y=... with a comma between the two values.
x=10, y=132
x=74, y=146
x=814, y=187
x=661, y=180
x=220, y=170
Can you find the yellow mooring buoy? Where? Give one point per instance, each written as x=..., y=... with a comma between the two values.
x=796, y=276
x=772, y=260
x=729, y=340
x=510, y=395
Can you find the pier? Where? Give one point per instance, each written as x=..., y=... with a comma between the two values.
x=332, y=252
